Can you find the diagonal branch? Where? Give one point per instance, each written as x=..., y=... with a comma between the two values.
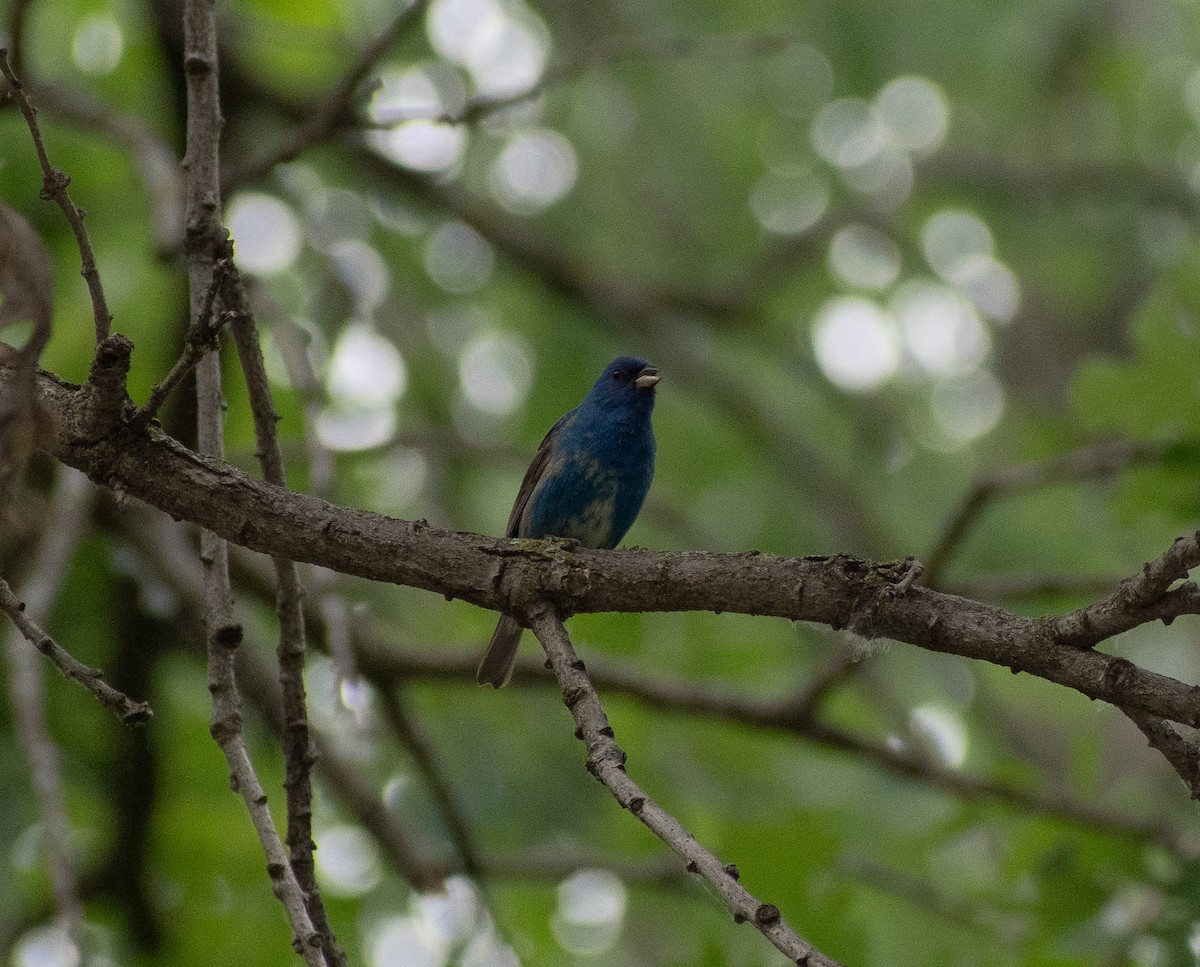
x=606, y=761
x=1084, y=464
x=388, y=665
x=335, y=109
x=126, y=709
x=54, y=188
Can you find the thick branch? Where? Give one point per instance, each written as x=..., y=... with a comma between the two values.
x=838, y=591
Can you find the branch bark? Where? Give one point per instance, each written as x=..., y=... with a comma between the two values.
x=606, y=761
x=839, y=591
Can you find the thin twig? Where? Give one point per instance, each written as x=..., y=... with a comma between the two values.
x=59, y=541
x=1086, y=463
x=334, y=109
x=126, y=709
x=1002, y=926
x=606, y=761
x=424, y=756
x=156, y=163
x=1145, y=596
x=205, y=241
x=201, y=339
x=297, y=744
x=17, y=20
x=54, y=188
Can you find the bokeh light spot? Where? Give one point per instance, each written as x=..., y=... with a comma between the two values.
x=495, y=372
x=98, y=45
x=991, y=285
x=799, y=79
x=942, y=330
x=591, y=908
x=347, y=861
x=363, y=271
x=535, y=169
x=266, y=233
x=46, y=946
x=951, y=237
x=412, y=101
x=789, y=201
x=886, y=178
x=865, y=257
x=966, y=406
x=915, y=112
x=856, y=343
x=505, y=47
x=458, y=258
x=941, y=732
x=366, y=371
x=848, y=133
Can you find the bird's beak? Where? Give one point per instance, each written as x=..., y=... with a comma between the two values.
x=647, y=378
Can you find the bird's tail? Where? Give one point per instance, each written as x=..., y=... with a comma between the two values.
x=496, y=665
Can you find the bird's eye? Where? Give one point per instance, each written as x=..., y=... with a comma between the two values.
x=621, y=376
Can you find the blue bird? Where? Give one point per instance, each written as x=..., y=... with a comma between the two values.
x=586, y=482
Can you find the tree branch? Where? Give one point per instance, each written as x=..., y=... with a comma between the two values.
x=297, y=744
x=839, y=591
x=54, y=188
x=606, y=761
x=205, y=243
x=335, y=109
x=126, y=709
x=1084, y=464
x=387, y=665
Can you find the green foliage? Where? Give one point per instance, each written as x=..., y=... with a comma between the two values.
x=691, y=128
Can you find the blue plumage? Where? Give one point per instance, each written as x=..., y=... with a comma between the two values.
x=587, y=481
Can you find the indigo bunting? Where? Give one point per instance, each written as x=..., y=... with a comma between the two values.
x=586, y=482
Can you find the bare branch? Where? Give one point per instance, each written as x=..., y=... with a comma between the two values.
x=606, y=761
x=1084, y=464
x=54, y=187
x=297, y=744
x=839, y=591
x=205, y=240
x=201, y=339
x=126, y=709
x=335, y=110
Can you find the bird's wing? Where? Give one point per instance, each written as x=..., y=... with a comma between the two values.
x=534, y=474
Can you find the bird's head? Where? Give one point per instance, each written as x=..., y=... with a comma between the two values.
x=625, y=381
